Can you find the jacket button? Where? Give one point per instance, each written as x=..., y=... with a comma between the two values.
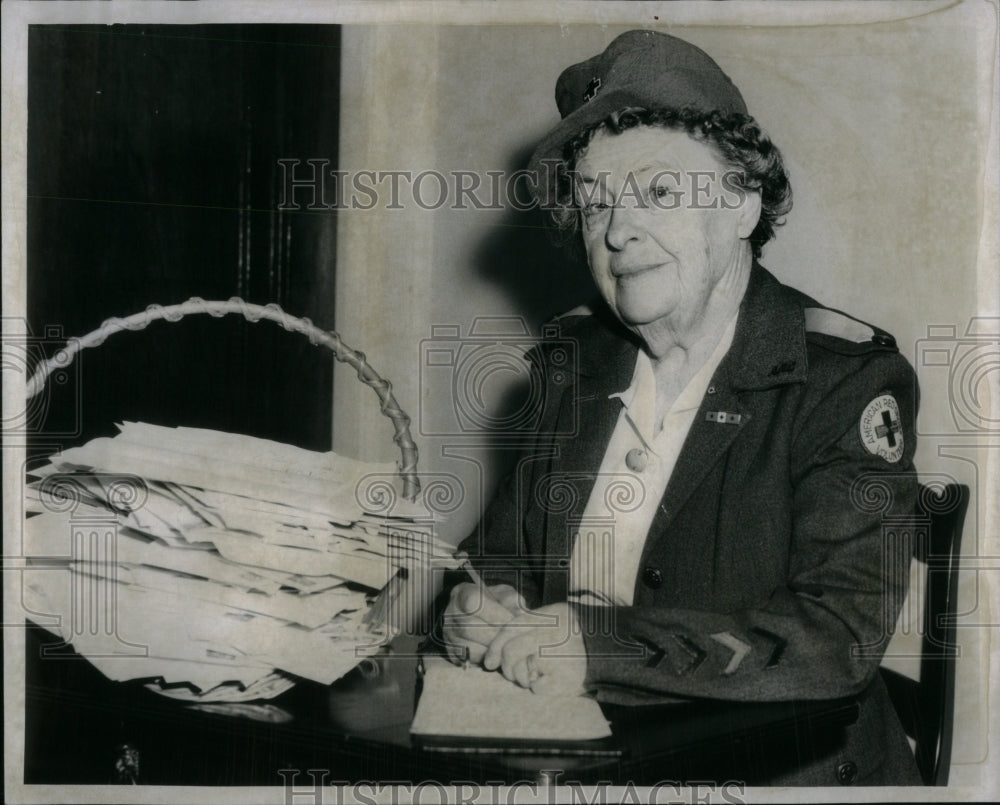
x=847, y=773
x=884, y=340
x=636, y=460
x=652, y=577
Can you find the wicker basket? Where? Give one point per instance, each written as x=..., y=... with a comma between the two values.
x=253, y=313
x=276, y=682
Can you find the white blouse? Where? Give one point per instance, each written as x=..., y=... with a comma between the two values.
x=634, y=473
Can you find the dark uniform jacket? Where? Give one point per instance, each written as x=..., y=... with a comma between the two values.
x=765, y=575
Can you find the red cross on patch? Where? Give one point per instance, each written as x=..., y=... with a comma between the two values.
x=888, y=429
x=881, y=429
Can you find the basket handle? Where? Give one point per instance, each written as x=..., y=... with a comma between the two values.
x=253, y=313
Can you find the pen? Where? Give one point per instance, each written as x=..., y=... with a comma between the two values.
x=466, y=565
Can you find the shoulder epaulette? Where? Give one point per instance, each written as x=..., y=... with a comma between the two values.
x=839, y=330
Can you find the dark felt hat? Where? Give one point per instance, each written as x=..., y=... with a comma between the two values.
x=644, y=69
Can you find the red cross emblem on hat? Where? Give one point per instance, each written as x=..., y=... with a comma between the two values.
x=592, y=88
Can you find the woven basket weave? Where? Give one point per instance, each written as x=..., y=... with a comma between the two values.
x=277, y=681
x=253, y=313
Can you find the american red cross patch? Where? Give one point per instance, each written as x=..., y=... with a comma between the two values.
x=881, y=428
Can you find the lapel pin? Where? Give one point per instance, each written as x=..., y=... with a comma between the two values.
x=723, y=417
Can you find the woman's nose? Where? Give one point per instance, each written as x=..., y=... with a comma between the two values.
x=623, y=225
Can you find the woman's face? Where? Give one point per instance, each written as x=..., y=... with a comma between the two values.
x=662, y=221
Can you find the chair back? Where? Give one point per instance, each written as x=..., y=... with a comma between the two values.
x=926, y=707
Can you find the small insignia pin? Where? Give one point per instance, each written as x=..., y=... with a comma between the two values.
x=592, y=89
x=723, y=417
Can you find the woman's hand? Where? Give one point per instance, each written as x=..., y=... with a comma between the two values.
x=541, y=649
x=471, y=621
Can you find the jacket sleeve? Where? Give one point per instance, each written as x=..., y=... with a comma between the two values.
x=822, y=633
x=499, y=547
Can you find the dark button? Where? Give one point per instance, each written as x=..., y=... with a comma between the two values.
x=652, y=577
x=884, y=340
x=847, y=773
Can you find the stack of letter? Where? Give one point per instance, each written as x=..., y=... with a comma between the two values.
x=204, y=561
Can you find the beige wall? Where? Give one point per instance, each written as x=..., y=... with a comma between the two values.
x=885, y=141
x=878, y=125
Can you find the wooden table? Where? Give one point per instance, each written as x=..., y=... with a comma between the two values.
x=77, y=723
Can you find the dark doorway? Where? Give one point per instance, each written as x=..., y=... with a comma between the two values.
x=153, y=176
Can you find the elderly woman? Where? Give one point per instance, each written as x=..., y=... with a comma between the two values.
x=688, y=523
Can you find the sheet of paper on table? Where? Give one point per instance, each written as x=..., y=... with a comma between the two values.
x=475, y=703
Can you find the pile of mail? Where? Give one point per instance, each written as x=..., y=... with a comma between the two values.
x=216, y=566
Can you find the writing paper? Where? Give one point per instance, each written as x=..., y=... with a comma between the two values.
x=476, y=703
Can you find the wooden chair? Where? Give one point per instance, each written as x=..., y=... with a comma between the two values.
x=926, y=707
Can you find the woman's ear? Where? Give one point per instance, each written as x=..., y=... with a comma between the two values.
x=749, y=213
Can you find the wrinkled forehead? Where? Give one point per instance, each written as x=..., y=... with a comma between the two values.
x=643, y=150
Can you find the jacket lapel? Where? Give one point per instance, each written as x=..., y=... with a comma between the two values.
x=768, y=350
x=706, y=442
x=603, y=370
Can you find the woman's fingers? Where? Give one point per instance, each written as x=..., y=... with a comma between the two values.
x=461, y=652
x=469, y=599
x=511, y=645
x=473, y=629
x=471, y=622
x=510, y=598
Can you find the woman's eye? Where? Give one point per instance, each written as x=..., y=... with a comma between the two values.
x=595, y=208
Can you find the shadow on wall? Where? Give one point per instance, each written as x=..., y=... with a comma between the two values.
x=539, y=273
x=522, y=258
